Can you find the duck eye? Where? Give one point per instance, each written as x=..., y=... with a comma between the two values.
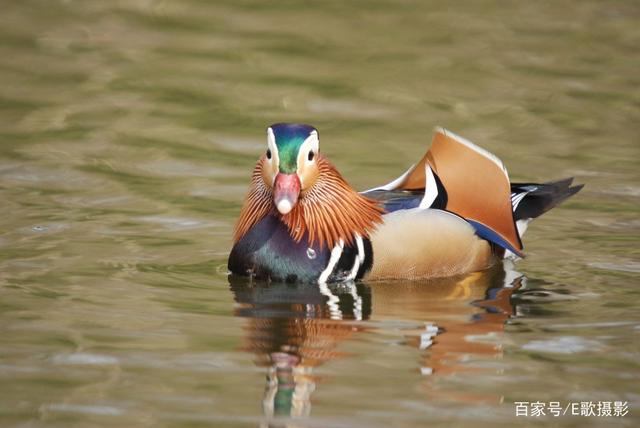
x=310, y=155
x=268, y=153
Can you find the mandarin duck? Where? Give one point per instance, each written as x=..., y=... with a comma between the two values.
x=452, y=213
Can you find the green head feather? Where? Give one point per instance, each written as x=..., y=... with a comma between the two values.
x=289, y=137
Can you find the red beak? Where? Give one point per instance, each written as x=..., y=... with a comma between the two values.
x=286, y=189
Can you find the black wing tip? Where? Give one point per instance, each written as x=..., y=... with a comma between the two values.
x=545, y=196
x=561, y=183
x=575, y=189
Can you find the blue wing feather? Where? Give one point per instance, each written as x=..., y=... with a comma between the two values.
x=487, y=233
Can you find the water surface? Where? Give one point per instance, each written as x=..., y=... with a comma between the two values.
x=128, y=131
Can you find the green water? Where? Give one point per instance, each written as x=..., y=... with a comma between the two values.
x=128, y=131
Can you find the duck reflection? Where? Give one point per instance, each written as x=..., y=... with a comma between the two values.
x=462, y=318
x=292, y=329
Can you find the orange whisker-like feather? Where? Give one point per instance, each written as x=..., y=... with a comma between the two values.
x=257, y=204
x=329, y=211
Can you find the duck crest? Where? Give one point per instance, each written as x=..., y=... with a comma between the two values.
x=328, y=213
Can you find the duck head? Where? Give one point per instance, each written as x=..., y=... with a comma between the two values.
x=290, y=163
x=294, y=182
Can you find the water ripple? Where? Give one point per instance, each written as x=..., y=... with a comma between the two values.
x=563, y=345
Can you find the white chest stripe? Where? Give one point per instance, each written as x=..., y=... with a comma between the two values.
x=335, y=256
x=358, y=259
x=360, y=248
x=430, y=188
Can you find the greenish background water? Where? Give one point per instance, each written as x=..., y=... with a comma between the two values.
x=128, y=131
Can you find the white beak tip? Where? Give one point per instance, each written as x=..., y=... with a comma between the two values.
x=284, y=206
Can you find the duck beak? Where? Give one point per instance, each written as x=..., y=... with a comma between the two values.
x=286, y=189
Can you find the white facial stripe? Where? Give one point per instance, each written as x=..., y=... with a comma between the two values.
x=271, y=144
x=311, y=143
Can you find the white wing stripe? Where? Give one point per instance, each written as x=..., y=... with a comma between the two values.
x=430, y=188
x=515, y=200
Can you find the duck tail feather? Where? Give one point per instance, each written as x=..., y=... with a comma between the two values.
x=531, y=200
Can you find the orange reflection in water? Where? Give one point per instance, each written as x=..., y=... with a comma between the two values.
x=463, y=320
